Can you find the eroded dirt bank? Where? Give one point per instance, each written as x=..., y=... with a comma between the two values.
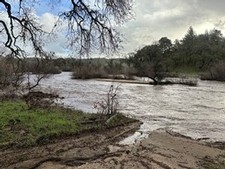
x=162, y=150
x=100, y=150
x=72, y=151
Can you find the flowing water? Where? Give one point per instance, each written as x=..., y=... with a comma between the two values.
x=198, y=112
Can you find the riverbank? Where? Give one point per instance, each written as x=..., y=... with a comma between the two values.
x=22, y=126
x=40, y=139
x=101, y=150
x=161, y=150
x=46, y=131
x=69, y=151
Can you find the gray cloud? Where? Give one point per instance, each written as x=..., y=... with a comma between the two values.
x=155, y=19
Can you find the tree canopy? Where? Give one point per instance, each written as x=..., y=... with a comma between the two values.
x=198, y=53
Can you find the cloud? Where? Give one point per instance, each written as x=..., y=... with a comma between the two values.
x=48, y=21
x=56, y=42
x=153, y=19
x=172, y=18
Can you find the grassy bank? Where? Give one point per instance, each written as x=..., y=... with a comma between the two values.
x=20, y=126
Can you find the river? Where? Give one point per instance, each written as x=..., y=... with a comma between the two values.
x=198, y=112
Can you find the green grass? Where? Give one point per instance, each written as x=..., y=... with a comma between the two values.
x=23, y=127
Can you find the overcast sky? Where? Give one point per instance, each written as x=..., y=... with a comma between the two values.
x=153, y=19
x=171, y=18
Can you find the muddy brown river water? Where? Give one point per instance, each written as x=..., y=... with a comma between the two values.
x=198, y=112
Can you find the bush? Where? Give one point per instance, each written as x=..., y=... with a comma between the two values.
x=109, y=105
x=41, y=66
x=10, y=73
x=88, y=70
x=217, y=72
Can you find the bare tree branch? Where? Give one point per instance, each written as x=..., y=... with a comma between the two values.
x=90, y=25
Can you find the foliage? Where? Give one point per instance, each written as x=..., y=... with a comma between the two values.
x=200, y=51
x=193, y=54
x=16, y=73
x=102, y=68
x=118, y=119
x=86, y=69
x=37, y=69
x=64, y=64
x=149, y=61
x=216, y=72
x=41, y=66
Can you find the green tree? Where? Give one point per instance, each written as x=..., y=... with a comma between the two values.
x=215, y=36
x=148, y=62
x=165, y=45
x=188, y=43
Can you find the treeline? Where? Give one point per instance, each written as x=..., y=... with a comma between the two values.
x=202, y=54
x=102, y=68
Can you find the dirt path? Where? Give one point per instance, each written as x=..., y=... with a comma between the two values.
x=100, y=150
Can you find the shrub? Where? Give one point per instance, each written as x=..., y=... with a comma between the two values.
x=217, y=72
x=10, y=73
x=109, y=105
x=88, y=70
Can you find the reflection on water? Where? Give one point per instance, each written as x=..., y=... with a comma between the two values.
x=198, y=112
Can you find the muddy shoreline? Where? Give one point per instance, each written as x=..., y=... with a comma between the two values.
x=71, y=151
x=101, y=150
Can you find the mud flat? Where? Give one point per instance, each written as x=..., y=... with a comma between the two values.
x=67, y=152
x=100, y=150
x=161, y=150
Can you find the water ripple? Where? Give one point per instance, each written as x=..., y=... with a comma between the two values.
x=193, y=111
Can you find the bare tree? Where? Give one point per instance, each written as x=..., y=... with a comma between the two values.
x=109, y=105
x=90, y=25
x=20, y=26
x=90, y=28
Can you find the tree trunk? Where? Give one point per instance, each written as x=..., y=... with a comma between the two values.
x=155, y=82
